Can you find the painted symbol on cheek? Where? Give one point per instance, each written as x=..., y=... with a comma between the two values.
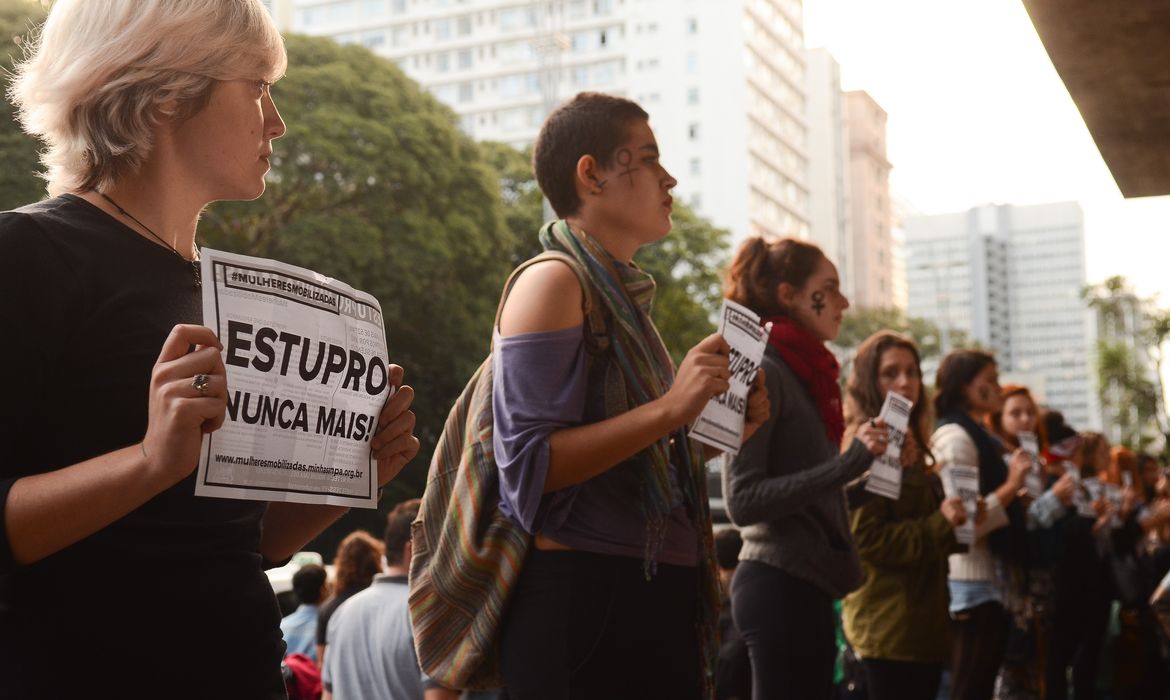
x=624, y=159
x=818, y=302
x=984, y=394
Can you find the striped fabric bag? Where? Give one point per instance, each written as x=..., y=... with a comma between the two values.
x=467, y=555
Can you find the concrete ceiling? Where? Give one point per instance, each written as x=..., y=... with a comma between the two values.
x=1114, y=58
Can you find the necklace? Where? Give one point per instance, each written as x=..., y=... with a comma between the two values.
x=195, y=268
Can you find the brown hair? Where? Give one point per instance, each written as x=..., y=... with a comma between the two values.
x=955, y=372
x=995, y=420
x=398, y=529
x=590, y=124
x=1122, y=459
x=761, y=266
x=358, y=560
x=1092, y=443
x=864, y=397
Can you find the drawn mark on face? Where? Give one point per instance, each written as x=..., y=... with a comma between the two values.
x=818, y=305
x=625, y=158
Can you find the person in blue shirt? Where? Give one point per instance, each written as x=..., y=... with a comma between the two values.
x=300, y=626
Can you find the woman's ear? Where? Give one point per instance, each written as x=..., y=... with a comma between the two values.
x=587, y=176
x=786, y=295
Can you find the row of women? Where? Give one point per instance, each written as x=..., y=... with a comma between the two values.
x=152, y=109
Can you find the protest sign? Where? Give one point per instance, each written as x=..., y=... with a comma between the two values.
x=307, y=375
x=721, y=422
x=964, y=483
x=885, y=474
x=1034, y=479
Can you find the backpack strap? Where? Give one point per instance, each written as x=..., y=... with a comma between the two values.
x=596, y=331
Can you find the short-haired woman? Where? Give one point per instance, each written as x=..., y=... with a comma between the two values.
x=784, y=488
x=967, y=392
x=112, y=573
x=896, y=620
x=619, y=595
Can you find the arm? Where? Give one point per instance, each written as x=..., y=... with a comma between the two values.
x=45, y=513
x=752, y=496
x=547, y=297
x=886, y=542
x=288, y=527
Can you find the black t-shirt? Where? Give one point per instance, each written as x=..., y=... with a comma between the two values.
x=171, y=597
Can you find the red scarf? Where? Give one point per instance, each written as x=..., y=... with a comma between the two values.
x=807, y=356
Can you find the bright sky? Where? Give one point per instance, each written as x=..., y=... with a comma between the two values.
x=978, y=114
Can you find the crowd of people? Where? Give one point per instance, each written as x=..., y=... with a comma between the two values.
x=152, y=109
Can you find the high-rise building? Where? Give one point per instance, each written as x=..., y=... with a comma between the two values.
x=723, y=81
x=281, y=11
x=828, y=163
x=871, y=266
x=1010, y=278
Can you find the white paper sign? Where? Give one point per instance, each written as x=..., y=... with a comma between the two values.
x=1034, y=479
x=307, y=375
x=1094, y=490
x=721, y=422
x=964, y=483
x=885, y=474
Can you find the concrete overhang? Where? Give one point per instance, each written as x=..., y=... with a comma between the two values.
x=1114, y=58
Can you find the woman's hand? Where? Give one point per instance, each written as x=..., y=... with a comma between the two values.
x=1018, y=467
x=759, y=407
x=394, y=443
x=705, y=372
x=180, y=413
x=874, y=435
x=954, y=511
x=1065, y=488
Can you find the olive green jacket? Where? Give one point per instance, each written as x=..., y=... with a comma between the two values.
x=900, y=611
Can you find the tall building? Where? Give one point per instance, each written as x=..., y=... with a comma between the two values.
x=723, y=81
x=281, y=11
x=872, y=264
x=1010, y=278
x=828, y=163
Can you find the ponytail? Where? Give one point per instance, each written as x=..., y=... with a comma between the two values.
x=761, y=266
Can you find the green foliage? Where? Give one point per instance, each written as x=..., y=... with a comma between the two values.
x=375, y=185
x=861, y=322
x=19, y=183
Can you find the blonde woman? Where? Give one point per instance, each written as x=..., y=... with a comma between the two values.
x=113, y=575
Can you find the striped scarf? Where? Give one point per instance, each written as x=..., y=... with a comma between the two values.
x=648, y=371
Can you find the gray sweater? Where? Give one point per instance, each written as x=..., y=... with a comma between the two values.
x=784, y=489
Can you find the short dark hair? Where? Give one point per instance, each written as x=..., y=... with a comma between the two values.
x=957, y=370
x=592, y=123
x=728, y=542
x=309, y=583
x=398, y=530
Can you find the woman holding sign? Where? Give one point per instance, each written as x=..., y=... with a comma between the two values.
x=784, y=488
x=895, y=621
x=618, y=596
x=972, y=466
x=150, y=110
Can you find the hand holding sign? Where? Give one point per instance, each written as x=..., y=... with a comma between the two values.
x=703, y=373
x=884, y=436
x=720, y=422
x=179, y=413
x=394, y=443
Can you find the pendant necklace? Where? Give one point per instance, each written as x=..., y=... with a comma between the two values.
x=195, y=266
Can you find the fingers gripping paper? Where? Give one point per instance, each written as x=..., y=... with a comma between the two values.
x=885, y=474
x=307, y=375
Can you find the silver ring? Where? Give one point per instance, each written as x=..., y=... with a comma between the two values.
x=200, y=382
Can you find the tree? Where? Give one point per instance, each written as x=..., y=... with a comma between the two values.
x=375, y=185
x=686, y=265
x=19, y=183
x=1129, y=360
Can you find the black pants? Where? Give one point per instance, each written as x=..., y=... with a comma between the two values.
x=902, y=680
x=584, y=626
x=788, y=625
x=1080, y=621
x=980, y=642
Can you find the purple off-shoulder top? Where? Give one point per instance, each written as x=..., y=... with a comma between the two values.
x=540, y=386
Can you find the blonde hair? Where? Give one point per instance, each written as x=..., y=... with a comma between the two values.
x=97, y=74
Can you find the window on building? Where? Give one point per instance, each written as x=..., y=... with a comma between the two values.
x=464, y=59
x=693, y=132
x=398, y=6
x=696, y=166
x=442, y=29
x=692, y=25
x=443, y=62
x=463, y=25
x=466, y=92
x=693, y=96
x=692, y=62
x=602, y=7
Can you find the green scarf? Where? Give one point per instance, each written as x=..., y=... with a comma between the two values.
x=646, y=367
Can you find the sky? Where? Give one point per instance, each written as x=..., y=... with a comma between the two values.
x=978, y=114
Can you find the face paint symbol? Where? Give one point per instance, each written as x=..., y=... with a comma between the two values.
x=818, y=302
x=624, y=159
